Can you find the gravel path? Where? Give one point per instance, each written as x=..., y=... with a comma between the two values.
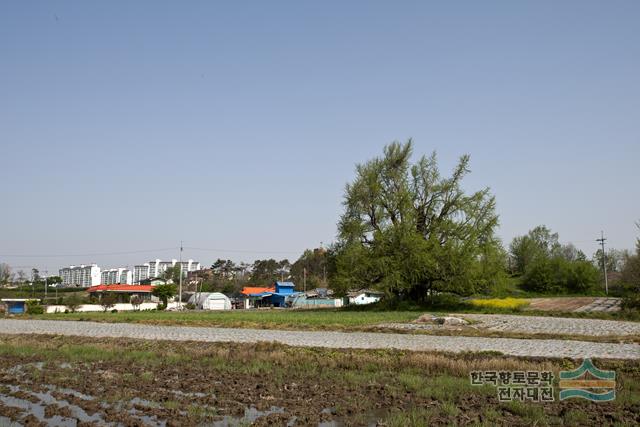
x=515, y=347
x=553, y=325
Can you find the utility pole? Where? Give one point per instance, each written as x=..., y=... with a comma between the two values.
x=45, y=285
x=197, y=298
x=304, y=276
x=604, y=262
x=180, y=281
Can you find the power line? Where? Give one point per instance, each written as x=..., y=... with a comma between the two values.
x=245, y=251
x=88, y=254
x=141, y=251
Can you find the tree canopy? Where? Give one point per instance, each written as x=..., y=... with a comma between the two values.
x=172, y=273
x=548, y=266
x=164, y=292
x=315, y=265
x=631, y=270
x=408, y=230
x=539, y=242
x=267, y=271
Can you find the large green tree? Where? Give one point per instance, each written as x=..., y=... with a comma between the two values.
x=408, y=231
x=164, y=292
x=264, y=272
x=224, y=270
x=537, y=243
x=173, y=273
x=614, y=259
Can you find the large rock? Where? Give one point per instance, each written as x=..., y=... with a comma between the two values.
x=444, y=321
x=426, y=318
x=451, y=321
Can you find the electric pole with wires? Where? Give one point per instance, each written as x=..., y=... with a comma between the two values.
x=604, y=262
x=180, y=280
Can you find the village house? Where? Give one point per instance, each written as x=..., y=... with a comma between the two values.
x=123, y=293
x=364, y=296
x=273, y=296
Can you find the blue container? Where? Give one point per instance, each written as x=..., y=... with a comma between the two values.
x=16, y=307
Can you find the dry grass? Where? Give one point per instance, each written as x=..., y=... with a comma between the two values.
x=432, y=363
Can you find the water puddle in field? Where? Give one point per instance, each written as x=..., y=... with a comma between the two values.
x=20, y=369
x=188, y=394
x=22, y=399
x=144, y=402
x=251, y=414
x=70, y=392
x=6, y=422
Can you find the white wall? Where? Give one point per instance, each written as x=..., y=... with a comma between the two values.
x=96, y=307
x=362, y=299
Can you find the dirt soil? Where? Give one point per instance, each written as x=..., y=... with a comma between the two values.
x=66, y=382
x=564, y=304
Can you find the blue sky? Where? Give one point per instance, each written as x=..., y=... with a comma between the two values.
x=128, y=126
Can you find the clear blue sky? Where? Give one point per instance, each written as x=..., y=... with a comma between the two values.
x=131, y=125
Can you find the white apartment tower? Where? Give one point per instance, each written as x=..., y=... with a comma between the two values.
x=82, y=276
x=140, y=272
x=122, y=276
x=158, y=267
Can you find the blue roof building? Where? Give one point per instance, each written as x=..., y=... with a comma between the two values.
x=283, y=290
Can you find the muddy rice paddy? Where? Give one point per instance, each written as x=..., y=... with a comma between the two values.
x=67, y=381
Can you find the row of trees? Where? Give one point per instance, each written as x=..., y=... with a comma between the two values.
x=228, y=277
x=546, y=265
x=8, y=276
x=311, y=269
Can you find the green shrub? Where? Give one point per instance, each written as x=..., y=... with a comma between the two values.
x=631, y=302
x=72, y=303
x=582, y=276
x=34, y=307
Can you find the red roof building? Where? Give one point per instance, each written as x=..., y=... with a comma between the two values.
x=137, y=289
x=251, y=290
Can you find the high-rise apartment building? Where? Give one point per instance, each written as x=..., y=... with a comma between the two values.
x=82, y=275
x=122, y=276
x=140, y=272
x=158, y=267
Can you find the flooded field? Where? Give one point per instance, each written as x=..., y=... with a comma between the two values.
x=65, y=381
